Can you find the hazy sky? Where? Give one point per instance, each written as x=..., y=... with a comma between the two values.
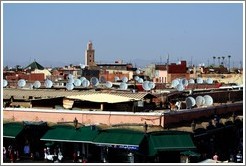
x=57, y=34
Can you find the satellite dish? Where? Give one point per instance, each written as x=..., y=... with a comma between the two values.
x=208, y=100
x=199, y=80
x=136, y=78
x=146, y=86
x=175, y=82
x=48, y=83
x=190, y=102
x=116, y=78
x=21, y=83
x=185, y=82
x=86, y=83
x=36, y=84
x=140, y=80
x=191, y=81
x=69, y=86
x=102, y=79
x=82, y=66
x=137, y=71
x=151, y=85
x=200, y=101
x=180, y=87
x=123, y=86
x=94, y=81
x=5, y=83
x=109, y=84
x=70, y=80
x=70, y=76
x=77, y=82
x=124, y=79
x=209, y=81
x=82, y=79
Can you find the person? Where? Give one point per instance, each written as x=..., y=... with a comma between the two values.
x=239, y=157
x=215, y=157
x=45, y=154
x=4, y=154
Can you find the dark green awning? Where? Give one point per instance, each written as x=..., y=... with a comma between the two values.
x=62, y=133
x=170, y=141
x=119, y=138
x=190, y=153
x=11, y=130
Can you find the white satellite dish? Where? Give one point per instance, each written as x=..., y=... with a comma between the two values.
x=116, y=78
x=175, y=82
x=208, y=100
x=151, y=85
x=70, y=76
x=140, y=80
x=124, y=79
x=199, y=80
x=94, y=81
x=146, y=86
x=136, y=78
x=86, y=83
x=200, y=101
x=185, y=82
x=82, y=66
x=123, y=86
x=70, y=80
x=137, y=71
x=36, y=84
x=191, y=81
x=109, y=84
x=5, y=83
x=21, y=83
x=48, y=83
x=190, y=102
x=180, y=87
x=77, y=82
x=209, y=81
x=102, y=79
x=69, y=86
x=82, y=79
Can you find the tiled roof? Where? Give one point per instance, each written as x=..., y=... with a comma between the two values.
x=35, y=65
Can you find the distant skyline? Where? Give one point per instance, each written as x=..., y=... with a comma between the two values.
x=56, y=34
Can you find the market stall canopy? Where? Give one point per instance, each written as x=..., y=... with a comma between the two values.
x=12, y=130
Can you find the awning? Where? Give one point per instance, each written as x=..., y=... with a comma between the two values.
x=65, y=133
x=170, y=141
x=119, y=138
x=11, y=130
x=190, y=153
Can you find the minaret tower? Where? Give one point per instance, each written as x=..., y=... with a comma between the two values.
x=90, y=55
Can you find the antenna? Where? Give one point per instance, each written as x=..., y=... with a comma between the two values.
x=77, y=82
x=94, y=81
x=109, y=84
x=124, y=79
x=123, y=86
x=48, y=83
x=190, y=102
x=86, y=83
x=199, y=80
x=36, y=84
x=69, y=86
x=208, y=100
x=146, y=86
x=21, y=83
x=5, y=83
x=200, y=101
x=30, y=86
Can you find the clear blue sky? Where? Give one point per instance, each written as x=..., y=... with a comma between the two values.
x=57, y=34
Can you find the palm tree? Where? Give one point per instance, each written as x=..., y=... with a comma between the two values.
x=219, y=60
x=229, y=56
x=223, y=58
x=214, y=57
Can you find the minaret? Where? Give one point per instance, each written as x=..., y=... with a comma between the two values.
x=90, y=55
